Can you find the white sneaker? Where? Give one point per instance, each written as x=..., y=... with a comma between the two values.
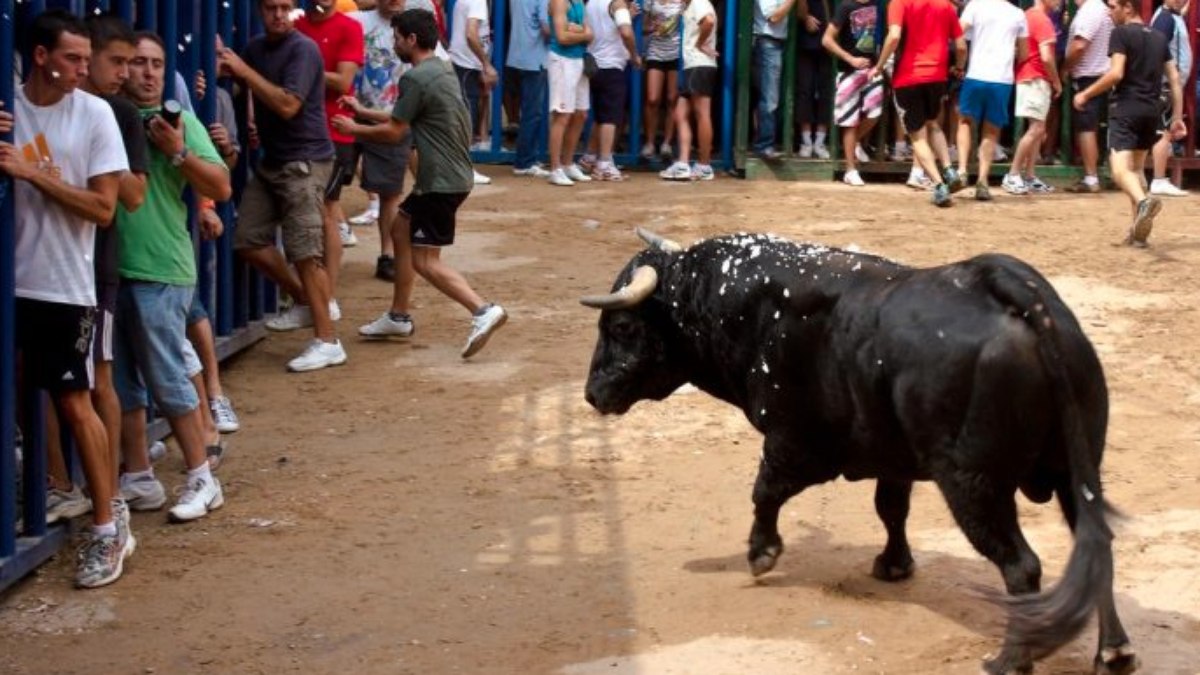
x=199, y=497
x=999, y=154
x=296, y=317
x=677, y=171
x=66, y=504
x=385, y=326
x=806, y=151
x=367, y=217
x=851, y=177
x=534, y=171
x=144, y=494
x=860, y=154
x=349, y=239
x=576, y=174
x=703, y=172
x=1014, y=185
x=559, y=177
x=481, y=146
x=319, y=354
x=482, y=327
x=224, y=416
x=157, y=451
x=481, y=179
x=1165, y=188
x=665, y=151
x=648, y=151
x=919, y=181
x=335, y=311
x=821, y=151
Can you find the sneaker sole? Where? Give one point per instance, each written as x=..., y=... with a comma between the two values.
x=385, y=336
x=285, y=328
x=1140, y=231
x=229, y=428
x=321, y=366
x=120, y=569
x=473, y=349
x=215, y=504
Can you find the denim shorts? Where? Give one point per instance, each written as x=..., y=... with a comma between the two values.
x=985, y=102
x=150, y=332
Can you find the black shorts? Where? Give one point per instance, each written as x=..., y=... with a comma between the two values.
x=701, y=81
x=665, y=66
x=432, y=217
x=55, y=341
x=345, y=161
x=1090, y=117
x=1132, y=133
x=920, y=104
x=384, y=166
x=609, y=91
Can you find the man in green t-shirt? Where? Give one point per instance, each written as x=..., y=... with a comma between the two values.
x=158, y=279
x=431, y=105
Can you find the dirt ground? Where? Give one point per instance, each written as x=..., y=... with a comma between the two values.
x=413, y=513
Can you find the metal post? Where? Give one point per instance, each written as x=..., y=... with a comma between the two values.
x=147, y=16
x=499, y=37
x=8, y=361
x=728, y=94
x=745, y=28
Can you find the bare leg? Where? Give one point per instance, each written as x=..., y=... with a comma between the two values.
x=333, y=247
x=402, y=286
x=316, y=291
x=104, y=399
x=571, y=136
x=965, y=130
x=988, y=137
x=923, y=154
x=1089, y=152
x=428, y=263
x=655, y=82
x=683, y=129
x=558, y=131
x=75, y=408
x=388, y=206
x=704, y=129
x=200, y=334
x=270, y=262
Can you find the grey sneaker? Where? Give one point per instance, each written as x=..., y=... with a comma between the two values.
x=982, y=193
x=143, y=494
x=385, y=326
x=1147, y=209
x=1084, y=187
x=483, y=324
x=100, y=561
x=224, y=415
x=66, y=504
x=125, y=538
x=198, y=498
x=941, y=195
x=954, y=182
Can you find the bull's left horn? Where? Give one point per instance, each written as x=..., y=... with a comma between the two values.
x=661, y=243
x=640, y=287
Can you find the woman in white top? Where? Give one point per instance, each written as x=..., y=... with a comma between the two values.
x=661, y=27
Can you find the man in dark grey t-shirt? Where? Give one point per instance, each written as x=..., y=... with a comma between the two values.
x=285, y=73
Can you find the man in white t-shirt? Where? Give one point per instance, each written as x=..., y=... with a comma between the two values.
x=997, y=32
x=66, y=161
x=696, y=89
x=470, y=47
x=1086, y=61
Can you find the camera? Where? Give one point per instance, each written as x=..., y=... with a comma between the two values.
x=170, y=113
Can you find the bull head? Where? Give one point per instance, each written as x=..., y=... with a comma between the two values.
x=642, y=283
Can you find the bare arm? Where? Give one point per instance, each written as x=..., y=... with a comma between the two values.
x=1116, y=73
x=389, y=131
x=1075, y=49
x=830, y=43
x=707, y=24
x=131, y=191
x=564, y=34
x=208, y=179
x=1176, y=99
x=895, y=31
x=1022, y=48
x=341, y=81
x=784, y=10
x=97, y=203
x=960, y=53
x=1046, y=50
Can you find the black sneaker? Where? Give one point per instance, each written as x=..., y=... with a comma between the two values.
x=385, y=268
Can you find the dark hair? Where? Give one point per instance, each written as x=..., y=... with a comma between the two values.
x=151, y=36
x=108, y=28
x=49, y=26
x=419, y=22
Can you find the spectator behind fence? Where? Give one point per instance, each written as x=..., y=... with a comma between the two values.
x=663, y=50
x=527, y=58
x=613, y=47
x=431, y=106
x=814, y=79
x=340, y=40
x=470, y=52
x=998, y=33
x=1038, y=86
x=858, y=102
x=66, y=161
x=285, y=74
x=699, y=83
x=1167, y=20
x=1086, y=61
x=920, y=76
x=570, y=96
x=1139, y=61
x=770, y=39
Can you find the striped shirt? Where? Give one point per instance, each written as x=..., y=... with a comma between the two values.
x=1092, y=23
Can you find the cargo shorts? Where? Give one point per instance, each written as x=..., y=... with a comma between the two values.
x=291, y=198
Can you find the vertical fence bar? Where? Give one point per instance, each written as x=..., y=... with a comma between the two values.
x=214, y=22
x=745, y=36
x=787, y=94
x=634, y=100
x=8, y=361
x=499, y=47
x=728, y=93
x=124, y=9
x=168, y=30
x=147, y=15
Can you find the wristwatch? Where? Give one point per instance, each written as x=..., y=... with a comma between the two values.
x=179, y=158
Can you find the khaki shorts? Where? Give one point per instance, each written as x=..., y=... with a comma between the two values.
x=1033, y=100
x=290, y=198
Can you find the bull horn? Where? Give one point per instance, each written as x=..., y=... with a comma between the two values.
x=640, y=287
x=661, y=243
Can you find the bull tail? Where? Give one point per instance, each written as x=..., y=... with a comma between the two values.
x=1045, y=621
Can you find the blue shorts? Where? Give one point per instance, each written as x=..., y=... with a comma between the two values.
x=985, y=102
x=150, y=335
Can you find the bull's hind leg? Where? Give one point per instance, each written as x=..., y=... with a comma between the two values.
x=782, y=474
x=891, y=503
x=987, y=514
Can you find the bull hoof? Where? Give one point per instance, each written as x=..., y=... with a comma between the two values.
x=1004, y=666
x=765, y=561
x=885, y=570
x=1117, y=660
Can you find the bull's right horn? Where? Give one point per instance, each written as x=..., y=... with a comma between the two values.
x=661, y=243
x=640, y=287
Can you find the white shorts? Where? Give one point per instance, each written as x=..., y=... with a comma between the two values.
x=1033, y=100
x=191, y=360
x=569, y=90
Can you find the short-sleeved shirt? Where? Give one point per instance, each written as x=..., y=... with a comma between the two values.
x=995, y=27
x=381, y=71
x=805, y=39
x=1174, y=28
x=460, y=52
x=431, y=103
x=1041, y=31
x=1146, y=54
x=928, y=25
x=662, y=19
x=155, y=243
x=526, y=44
x=692, y=16
x=293, y=62
x=54, y=247
x=855, y=22
x=340, y=40
x=133, y=136
x=763, y=9
x=575, y=15
x=1093, y=23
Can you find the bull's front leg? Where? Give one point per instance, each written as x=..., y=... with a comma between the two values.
x=782, y=474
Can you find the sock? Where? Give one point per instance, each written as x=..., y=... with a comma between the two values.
x=901, y=146
x=135, y=476
x=1091, y=180
x=918, y=172
x=108, y=529
x=398, y=316
x=200, y=472
x=819, y=138
x=481, y=310
x=373, y=204
x=807, y=136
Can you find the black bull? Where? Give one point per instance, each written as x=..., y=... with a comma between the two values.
x=973, y=375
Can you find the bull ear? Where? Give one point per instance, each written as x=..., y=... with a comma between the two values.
x=640, y=287
x=661, y=243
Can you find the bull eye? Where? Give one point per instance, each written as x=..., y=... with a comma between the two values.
x=622, y=329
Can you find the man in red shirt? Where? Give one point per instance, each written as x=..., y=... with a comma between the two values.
x=918, y=32
x=340, y=39
x=1038, y=84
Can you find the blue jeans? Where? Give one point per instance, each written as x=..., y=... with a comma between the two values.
x=532, y=134
x=768, y=62
x=150, y=331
